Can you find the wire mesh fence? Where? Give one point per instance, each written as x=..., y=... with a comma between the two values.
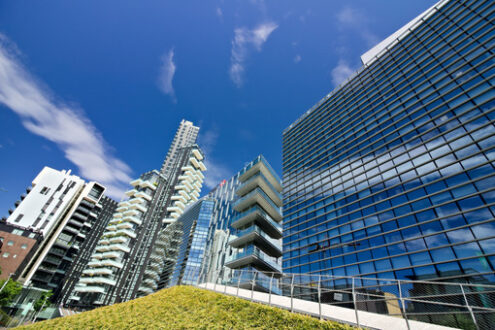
x=455, y=305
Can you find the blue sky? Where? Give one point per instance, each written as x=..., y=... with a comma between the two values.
x=100, y=87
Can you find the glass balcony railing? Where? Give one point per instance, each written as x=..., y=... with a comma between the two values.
x=262, y=159
x=262, y=194
x=255, y=229
x=252, y=250
x=263, y=281
x=263, y=214
x=260, y=175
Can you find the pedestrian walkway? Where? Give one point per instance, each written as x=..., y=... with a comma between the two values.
x=328, y=312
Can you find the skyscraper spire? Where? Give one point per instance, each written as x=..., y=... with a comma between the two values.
x=184, y=137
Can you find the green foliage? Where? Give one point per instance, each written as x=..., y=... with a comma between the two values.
x=43, y=302
x=185, y=307
x=9, y=292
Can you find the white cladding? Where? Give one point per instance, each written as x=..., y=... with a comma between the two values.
x=51, y=195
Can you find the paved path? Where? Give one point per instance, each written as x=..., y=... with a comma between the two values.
x=329, y=312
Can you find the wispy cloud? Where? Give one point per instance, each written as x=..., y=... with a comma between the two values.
x=297, y=59
x=167, y=72
x=244, y=41
x=215, y=172
x=341, y=72
x=59, y=122
x=219, y=12
x=353, y=18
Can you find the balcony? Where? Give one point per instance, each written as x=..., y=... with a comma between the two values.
x=254, y=234
x=136, y=182
x=126, y=232
x=179, y=198
x=136, y=200
x=251, y=255
x=197, y=154
x=151, y=274
x=130, y=213
x=257, y=215
x=142, y=194
x=259, y=180
x=148, y=184
x=98, y=271
x=258, y=196
x=261, y=165
x=138, y=207
x=97, y=280
x=133, y=219
x=131, y=192
x=145, y=290
x=124, y=225
x=118, y=239
x=106, y=262
x=93, y=289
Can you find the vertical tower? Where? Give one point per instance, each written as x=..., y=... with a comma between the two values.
x=185, y=136
x=256, y=242
x=118, y=267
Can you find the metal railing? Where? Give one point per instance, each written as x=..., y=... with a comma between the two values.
x=456, y=305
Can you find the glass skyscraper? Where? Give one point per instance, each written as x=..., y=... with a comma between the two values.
x=392, y=174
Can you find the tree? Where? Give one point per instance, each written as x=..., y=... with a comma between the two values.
x=9, y=292
x=42, y=302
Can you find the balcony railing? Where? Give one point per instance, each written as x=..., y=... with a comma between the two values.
x=238, y=204
x=265, y=180
x=255, y=253
x=263, y=160
x=239, y=221
x=240, y=238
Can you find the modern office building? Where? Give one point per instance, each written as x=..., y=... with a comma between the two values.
x=61, y=209
x=392, y=174
x=117, y=269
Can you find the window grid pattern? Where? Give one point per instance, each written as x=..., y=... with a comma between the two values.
x=393, y=175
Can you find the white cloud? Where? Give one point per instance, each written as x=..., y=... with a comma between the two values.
x=219, y=12
x=60, y=123
x=167, y=72
x=341, y=72
x=215, y=172
x=245, y=40
x=297, y=59
x=355, y=19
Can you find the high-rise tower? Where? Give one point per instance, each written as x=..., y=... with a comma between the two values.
x=392, y=175
x=117, y=271
x=185, y=136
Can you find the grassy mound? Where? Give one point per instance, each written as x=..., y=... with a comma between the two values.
x=187, y=307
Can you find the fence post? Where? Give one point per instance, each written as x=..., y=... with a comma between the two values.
x=216, y=280
x=292, y=294
x=270, y=294
x=403, y=305
x=469, y=307
x=319, y=295
x=355, y=303
x=225, y=286
x=252, y=284
x=239, y=281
